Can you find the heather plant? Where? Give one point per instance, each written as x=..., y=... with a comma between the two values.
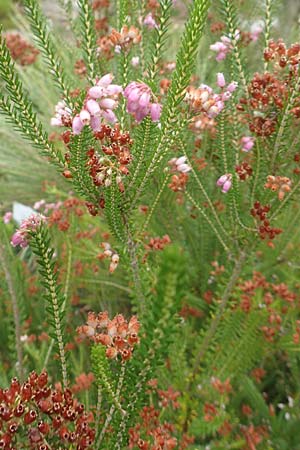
x=149, y=293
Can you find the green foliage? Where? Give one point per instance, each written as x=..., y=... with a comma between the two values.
x=180, y=79
x=43, y=38
x=88, y=37
x=160, y=40
x=206, y=319
x=40, y=244
x=18, y=108
x=81, y=179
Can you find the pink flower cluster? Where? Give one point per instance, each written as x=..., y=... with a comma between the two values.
x=179, y=165
x=204, y=99
x=111, y=254
x=139, y=102
x=99, y=103
x=247, y=143
x=63, y=115
x=223, y=46
x=8, y=216
x=46, y=207
x=117, y=335
x=149, y=21
x=225, y=182
x=20, y=237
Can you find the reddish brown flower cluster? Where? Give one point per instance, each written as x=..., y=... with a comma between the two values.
x=126, y=37
x=116, y=41
x=61, y=215
x=151, y=434
x=271, y=293
x=199, y=163
x=258, y=373
x=80, y=68
x=217, y=27
x=254, y=436
x=168, y=397
x=296, y=335
x=83, y=382
x=217, y=269
x=20, y=50
x=244, y=171
x=98, y=4
x=158, y=243
x=178, y=182
x=117, y=335
x=201, y=123
x=190, y=311
x=297, y=161
x=267, y=95
x=281, y=56
x=153, y=5
x=259, y=212
x=116, y=147
x=111, y=254
x=280, y=184
x=45, y=415
x=101, y=25
x=222, y=387
x=263, y=126
x=266, y=90
x=210, y=412
x=105, y=48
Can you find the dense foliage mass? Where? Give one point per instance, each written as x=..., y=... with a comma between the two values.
x=149, y=164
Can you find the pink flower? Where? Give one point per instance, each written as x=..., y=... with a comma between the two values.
x=247, y=143
x=255, y=31
x=7, y=217
x=179, y=165
x=85, y=117
x=32, y=223
x=221, y=80
x=139, y=102
x=95, y=123
x=232, y=86
x=63, y=115
x=149, y=21
x=223, y=46
x=99, y=104
x=39, y=204
x=77, y=125
x=205, y=100
x=93, y=107
x=106, y=80
x=135, y=61
x=155, y=111
x=225, y=182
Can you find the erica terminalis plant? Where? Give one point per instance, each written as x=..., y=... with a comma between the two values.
x=161, y=152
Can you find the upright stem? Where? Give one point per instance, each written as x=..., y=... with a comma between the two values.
x=113, y=407
x=66, y=290
x=268, y=20
x=222, y=306
x=16, y=312
x=98, y=408
x=134, y=263
x=213, y=326
x=51, y=283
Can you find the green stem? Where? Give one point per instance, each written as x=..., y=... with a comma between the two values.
x=16, y=313
x=52, y=287
x=201, y=210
